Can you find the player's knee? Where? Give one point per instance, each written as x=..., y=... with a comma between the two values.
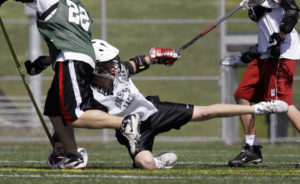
x=144, y=160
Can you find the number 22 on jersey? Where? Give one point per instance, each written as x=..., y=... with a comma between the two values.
x=78, y=15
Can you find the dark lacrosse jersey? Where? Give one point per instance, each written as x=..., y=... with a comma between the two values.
x=68, y=30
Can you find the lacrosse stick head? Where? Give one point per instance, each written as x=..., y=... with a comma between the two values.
x=234, y=61
x=247, y=4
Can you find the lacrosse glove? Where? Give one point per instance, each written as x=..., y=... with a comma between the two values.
x=275, y=41
x=250, y=54
x=38, y=65
x=163, y=56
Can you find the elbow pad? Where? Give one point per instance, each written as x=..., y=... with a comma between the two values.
x=140, y=63
x=128, y=67
x=291, y=16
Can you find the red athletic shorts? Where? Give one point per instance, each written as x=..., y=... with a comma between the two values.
x=267, y=79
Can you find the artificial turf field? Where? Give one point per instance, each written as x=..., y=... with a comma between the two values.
x=198, y=162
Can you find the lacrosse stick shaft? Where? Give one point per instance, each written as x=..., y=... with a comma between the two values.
x=209, y=29
x=24, y=81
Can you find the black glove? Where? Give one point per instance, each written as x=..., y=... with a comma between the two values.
x=38, y=65
x=250, y=54
x=2, y=1
x=275, y=42
x=274, y=51
x=247, y=57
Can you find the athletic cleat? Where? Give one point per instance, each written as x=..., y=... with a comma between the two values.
x=84, y=155
x=130, y=129
x=275, y=106
x=297, y=165
x=166, y=160
x=249, y=154
x=70, y=161
x=56, y=155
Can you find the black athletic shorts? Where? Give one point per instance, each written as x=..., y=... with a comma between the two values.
x=169, y=116
x=70, y=93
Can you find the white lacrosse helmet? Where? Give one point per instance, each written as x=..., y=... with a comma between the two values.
x=104, y=51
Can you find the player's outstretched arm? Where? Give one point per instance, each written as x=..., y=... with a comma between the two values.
x=157, y=55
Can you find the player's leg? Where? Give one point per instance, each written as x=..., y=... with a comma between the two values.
x=251, y=152
x=243, y=108
x=65, y=134
x=294, y=116
x=202, y=113
x=63, y=148
x=58, y=152
x=249, y=89
x=67, y=156
x=146, y=160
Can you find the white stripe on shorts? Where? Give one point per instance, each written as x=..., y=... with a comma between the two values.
x=76, y=90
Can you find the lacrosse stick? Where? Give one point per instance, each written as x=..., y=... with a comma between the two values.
x=235, y=61
x=246, y=4
x=25, y=83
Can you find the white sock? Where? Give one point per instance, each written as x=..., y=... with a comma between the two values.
x=251, y=139
x=158, y=164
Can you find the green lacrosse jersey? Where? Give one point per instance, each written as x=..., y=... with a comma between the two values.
x=69, y=29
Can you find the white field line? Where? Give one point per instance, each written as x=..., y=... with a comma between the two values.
x=98, y=138
x=136, y=177
x=129, y=162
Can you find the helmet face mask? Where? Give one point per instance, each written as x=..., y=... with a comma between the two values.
x=108, y=69
x=107, y=59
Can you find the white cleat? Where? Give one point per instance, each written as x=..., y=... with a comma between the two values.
x=130, y=129
x=70, y=161
x=275, y=106
x=165, y=160
x=84, y=155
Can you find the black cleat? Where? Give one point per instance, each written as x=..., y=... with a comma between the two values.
x=249, y=154
x=297, y=165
